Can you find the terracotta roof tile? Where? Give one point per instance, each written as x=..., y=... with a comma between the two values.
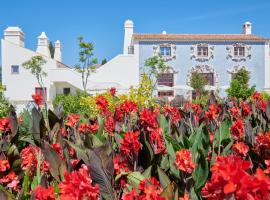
x=198, y=37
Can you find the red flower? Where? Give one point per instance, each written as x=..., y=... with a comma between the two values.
x=4, y=165
x=183, y=161
x=185, y=197
x=10, y=180
x=58, y=149
x=102, y=103
x=212, y=113
x=112, y=91
x=72, y=120
x=29, y=159
x=109, y=125
x=5, y=124
x=120, y=165
x=78, y=185
x=240, y=148
x=87, y=128
x=150, y=190
x=148, y=119
x=42, y=193
x=246, y=109
x=132, y=195
x=173, y=114
x=237, y=129
x=130, y=144
x=37, y=99
x=267, y=170
x=125, y=108
x=235, y=112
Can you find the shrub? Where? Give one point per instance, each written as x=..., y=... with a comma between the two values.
x=239, y=87
x=71, y=103
x=4, y=104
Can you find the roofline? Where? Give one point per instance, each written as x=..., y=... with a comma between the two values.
x=162, y=37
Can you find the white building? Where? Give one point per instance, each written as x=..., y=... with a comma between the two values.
x=217, y=56
x=121, y=72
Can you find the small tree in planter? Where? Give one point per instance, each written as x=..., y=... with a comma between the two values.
x=198, y=82
x=155, y=65
x=239, y=87
x=35, y=66
x=87, y=63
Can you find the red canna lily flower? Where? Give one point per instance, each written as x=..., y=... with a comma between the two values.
x=130, y=144
x=10, y=180
x=102, y=103
x=183, y=161
x=72, y=120
x=235, y=112
x=173, y=114
x=185, y=197
x=37, y=99
x=78, y=185
x=240, y=148
x=212, y=113
x=4, y=165
x=87, y=128
x=42, y=193
x=112, y=91
x=237, y=129
x=5, y=124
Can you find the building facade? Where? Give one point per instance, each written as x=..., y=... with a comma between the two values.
x=216, y=56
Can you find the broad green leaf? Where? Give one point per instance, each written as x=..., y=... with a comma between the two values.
x=134, y=179
x=147, y=172
x=5, y=195
x=200, y=174
x=163, y=178
x=168, y=192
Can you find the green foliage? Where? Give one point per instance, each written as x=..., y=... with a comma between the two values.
x=197, y=82
x=52, y=49
x=4, y=104
x=71, y=103
x=104, y=61
x=87, y=64
x=154, y=66
x=265, y=96
x=35, y=66
x=239, y=87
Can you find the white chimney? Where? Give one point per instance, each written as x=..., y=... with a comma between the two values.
x=247, y=28
x=14, y=35
x=57, y=51
x=128, y=27
x=43, y=45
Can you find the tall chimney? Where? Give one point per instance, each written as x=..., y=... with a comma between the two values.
x=43, y=45
x=14, y=35
x=128, y=27
x=247, y=28
x=57, y=51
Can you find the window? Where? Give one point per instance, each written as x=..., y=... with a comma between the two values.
x=168, y=93
x=165, y=51
x=166, y=79
x=239, y=51
x=15, y=69
x=66, y=91
x=42, y=92
x=202, y=51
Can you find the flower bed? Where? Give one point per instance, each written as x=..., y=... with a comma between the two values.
x=130, y=151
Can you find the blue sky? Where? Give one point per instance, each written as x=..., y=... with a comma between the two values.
x=101, y=22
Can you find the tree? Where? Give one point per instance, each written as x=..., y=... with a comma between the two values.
x=52, y=49
x=239, y=86
x=35, y=66
x=198, y=82
x=154, y=66
x=87, y=63
x=104, y=61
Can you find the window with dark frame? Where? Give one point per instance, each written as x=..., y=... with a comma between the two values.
x=167, y=93
x=209, y=78
x=202, y=51
x=166, y=79
x=66, y=91
x=165, y=51
x=15, y=69
x=239, y=51
x=42, y=92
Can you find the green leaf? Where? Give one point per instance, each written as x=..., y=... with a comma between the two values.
x=200, y=174
x=81, y=154
x=147, y=172
x=193, y=194
x=163, y=178
x=134, y=179
x=168, y=192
